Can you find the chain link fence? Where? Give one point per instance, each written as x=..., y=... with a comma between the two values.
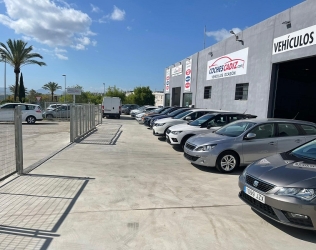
x=11, y=152
x=83, y=120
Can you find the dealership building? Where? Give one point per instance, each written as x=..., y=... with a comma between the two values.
x=268, y=70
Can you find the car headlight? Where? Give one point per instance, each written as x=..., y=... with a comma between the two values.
x=306, y=194
x=176, y=132
x=206, y=147
x=159, y=124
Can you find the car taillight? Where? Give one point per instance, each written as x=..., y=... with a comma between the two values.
x=38, y=111
x=120, y=108
x=102, y=107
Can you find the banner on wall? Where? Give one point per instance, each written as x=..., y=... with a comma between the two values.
x=187, y=83
x=167, y=80
x=295, y=40
x=176, y=71
x=229, y=65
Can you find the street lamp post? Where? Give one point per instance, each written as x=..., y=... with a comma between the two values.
x=5, y=75
x=104, y=88
x=65, y=87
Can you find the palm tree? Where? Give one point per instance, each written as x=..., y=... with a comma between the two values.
x=52, y=87
x=18, y=55
x=12, y=89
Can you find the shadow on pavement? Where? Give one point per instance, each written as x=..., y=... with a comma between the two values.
x=33, y=207
x=213, y=170
x=302, y=234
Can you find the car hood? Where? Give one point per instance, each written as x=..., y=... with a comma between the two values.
x=164, y=120
x=209, y=138
x=285, y=170
x=186, y=127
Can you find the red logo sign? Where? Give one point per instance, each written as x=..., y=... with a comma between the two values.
x=187, y=85
x=188, y=72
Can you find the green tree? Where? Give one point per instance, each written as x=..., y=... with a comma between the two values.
x=12, y=89
x=52, y=87
x=143, y=96
x=130, y=99
x=18, y=55
x=21, y=90
x=115, y=92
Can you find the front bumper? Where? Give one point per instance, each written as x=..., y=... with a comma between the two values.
x=279, y=208
x=159, y=130
x=173, y=139
x=207, y=158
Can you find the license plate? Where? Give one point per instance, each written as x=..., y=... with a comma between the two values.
x=254, y=194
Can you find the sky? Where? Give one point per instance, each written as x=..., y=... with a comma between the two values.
x=122, y=43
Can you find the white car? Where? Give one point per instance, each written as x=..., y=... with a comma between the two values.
x=179, y=134
x=161, y=126
x=30, y=112
x=141, y=110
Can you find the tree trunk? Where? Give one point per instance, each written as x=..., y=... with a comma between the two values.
x=52, y=96
x=16, y=85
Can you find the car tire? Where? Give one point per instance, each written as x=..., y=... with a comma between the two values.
x=227, y=162
x=164, y=133
x=118, y=117
x=30, y=119
x=49, y=116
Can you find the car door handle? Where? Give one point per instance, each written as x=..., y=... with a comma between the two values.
x=272, y=143
x=298, y=140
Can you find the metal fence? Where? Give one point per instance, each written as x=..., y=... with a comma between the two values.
x=11, y=149
x=83, y=120
x=56, y=110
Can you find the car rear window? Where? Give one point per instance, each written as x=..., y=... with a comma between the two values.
x=309, y=130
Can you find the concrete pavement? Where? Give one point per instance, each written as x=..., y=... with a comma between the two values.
x=123, y=188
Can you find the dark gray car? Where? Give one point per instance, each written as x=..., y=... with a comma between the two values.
x=243, y=142
x=283, y=186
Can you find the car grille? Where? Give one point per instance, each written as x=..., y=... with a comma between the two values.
x=263, y=208
x=300, y=222
x=189, y=146
x=168, y=131
x=262, y=186
x=190, y=157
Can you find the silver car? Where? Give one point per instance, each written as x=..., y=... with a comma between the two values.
x=283, y=186
x=243, y=142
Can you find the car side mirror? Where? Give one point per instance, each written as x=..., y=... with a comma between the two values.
x=209, y=126
x=188, y=118
x=250, y=136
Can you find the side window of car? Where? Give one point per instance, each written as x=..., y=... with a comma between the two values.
x=23, y=107
x=218, y=121
x=264, y=131
x=9, y=106
x=30, y=107
x=287, y=129
x=233, y=118
x=309, y=130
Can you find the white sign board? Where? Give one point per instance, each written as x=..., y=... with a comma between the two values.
x=176, y=71
x=73, y=91
x=187, y=83
x=229, y=65
x=296, y=40
x=167, y=80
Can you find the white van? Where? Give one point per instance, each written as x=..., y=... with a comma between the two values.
x=111, y=106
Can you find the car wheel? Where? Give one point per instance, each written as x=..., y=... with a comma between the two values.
x=49, y=116
x=227, y=162
x=118, y=117
x=30, y=119
x=164, y=133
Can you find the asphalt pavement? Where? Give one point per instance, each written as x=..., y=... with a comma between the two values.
x=123, y=188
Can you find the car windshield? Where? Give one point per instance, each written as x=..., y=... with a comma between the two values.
x=235, y=129
x=201, y=120
x=182, y=114
x=307, y=151
x=176, y=112
x=166, y=111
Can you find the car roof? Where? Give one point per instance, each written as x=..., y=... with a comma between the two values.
x=20, y=103
x=264, y=120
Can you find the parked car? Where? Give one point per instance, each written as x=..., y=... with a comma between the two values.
x=141, y=110
x=160, y=127
x=283, y=186
x=126, y=108
x=179, y=134
x=61, y=112
x=166, y=111
x=176, y=111
x=243, y=142
x=139, y=117
x=53, y=106
x=30, y=112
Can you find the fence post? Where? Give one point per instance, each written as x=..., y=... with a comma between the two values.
x=18, y=139
x=76, y=121
x=72, y=111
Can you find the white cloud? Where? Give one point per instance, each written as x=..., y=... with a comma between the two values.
x=61, y=57
x=129, y=28
x=95, y=8
x=221, y=34
x=47, y=23
x=117, y=14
